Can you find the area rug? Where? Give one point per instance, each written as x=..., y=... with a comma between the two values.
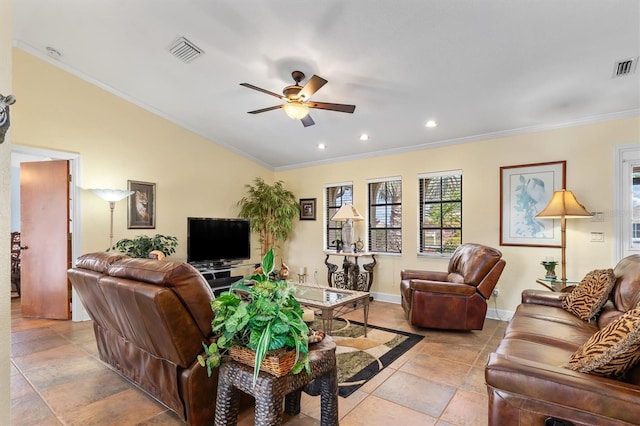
x=360, y=358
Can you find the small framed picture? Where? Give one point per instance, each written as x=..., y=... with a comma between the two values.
x=141, y=213
x=525, y=190
x=307, y=209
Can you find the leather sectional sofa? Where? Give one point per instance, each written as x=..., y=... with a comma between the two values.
x=150, y=318
x=526, y=381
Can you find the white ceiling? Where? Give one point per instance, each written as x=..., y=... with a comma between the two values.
x=479, y=67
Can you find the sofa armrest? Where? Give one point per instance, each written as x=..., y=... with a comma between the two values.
x=411, y=274
x=559, y=386
x=442, y=287
x=543, y=297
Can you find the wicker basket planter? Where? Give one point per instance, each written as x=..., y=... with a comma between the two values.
x=278, y=362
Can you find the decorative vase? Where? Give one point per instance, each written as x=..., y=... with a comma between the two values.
x=550, y=267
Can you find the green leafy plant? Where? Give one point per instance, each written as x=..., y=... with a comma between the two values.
x=271, y=209
x=141, y=245
x=263, y=316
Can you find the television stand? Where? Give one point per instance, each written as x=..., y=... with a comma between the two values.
x=221, y=277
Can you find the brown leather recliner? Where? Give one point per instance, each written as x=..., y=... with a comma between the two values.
x=150, y=319
x=456, y=299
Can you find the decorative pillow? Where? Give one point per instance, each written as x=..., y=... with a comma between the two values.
x=613, y=350
x=588, y=298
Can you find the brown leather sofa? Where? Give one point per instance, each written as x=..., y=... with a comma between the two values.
x=150, y=318
x=526, y=382
x=456, y=299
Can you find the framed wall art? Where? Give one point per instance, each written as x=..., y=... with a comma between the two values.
x=141, y=213
x=307, y=209
x=525, y=190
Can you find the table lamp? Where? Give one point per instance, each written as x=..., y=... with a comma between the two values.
x=112, y=196
x=348, y=214
x=563, y=205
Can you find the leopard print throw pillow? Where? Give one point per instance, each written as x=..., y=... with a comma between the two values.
x=613, y=350
x=588, y=298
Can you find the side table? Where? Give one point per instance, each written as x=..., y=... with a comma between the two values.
x=350, y=277
x=557, y=285
x=270, y=392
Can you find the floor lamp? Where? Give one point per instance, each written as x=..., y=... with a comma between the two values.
x=348, y=214
x=112, y=196
x=563, y=206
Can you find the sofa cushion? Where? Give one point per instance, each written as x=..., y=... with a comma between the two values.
x=613, y=350
x=588, y=298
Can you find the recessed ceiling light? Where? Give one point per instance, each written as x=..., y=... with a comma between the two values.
x=321, y=146
x=431, y=123
x=364, y=137
x=54, y=53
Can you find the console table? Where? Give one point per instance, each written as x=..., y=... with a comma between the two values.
x=350, y=277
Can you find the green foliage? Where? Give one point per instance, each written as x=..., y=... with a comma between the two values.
x=263, y=316
x=141, y=245
x=271, y=209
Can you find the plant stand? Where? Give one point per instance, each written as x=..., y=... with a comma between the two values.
x=270, y=392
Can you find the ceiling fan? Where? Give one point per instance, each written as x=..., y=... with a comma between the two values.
x=297, y=99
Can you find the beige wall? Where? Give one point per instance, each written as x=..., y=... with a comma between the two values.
x=5, y=216
x=118, y=141
x=588, y=150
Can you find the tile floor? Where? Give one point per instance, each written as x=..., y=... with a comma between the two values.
x=57, y=379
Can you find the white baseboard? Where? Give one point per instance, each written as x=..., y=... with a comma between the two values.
x=385, y=297
x=497, y=314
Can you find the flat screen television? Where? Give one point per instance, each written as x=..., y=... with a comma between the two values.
x=218, y=241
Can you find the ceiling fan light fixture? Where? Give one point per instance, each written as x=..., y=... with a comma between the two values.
x=295, y=110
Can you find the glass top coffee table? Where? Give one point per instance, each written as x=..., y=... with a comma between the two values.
x=332, y=302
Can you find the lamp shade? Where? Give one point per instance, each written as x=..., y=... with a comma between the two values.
x=111, y=194
x=563, y=204
x=346, y=212
x=296, y=110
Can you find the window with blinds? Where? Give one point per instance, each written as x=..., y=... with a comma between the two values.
x=336, y=196
x=440, y=213
x=385, y=216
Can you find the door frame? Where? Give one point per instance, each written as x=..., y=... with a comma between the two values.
x=621, y=154
x=78, y=312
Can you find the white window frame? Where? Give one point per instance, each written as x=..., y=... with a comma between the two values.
x=368, y=218
x=325, y=219
x=419, y=177
x=625, y=158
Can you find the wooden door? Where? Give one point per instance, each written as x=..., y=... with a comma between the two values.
x=44, y=227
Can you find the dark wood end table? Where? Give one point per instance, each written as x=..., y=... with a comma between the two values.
x=270, y=392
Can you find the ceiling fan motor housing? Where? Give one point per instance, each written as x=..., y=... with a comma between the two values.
x=291, y=92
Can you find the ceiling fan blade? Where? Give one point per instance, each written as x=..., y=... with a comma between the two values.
x=259, y=89
x=307, y=121
x=313, y=85
x=332, y=107
x=258, y=111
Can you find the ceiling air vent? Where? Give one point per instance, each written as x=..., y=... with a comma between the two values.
x=625, y=67
x=185, y=50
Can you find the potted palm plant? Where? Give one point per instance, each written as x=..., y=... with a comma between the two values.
x=271, y=209
x=263, y=317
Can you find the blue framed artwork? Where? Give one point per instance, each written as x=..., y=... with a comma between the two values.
x=525, y=190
